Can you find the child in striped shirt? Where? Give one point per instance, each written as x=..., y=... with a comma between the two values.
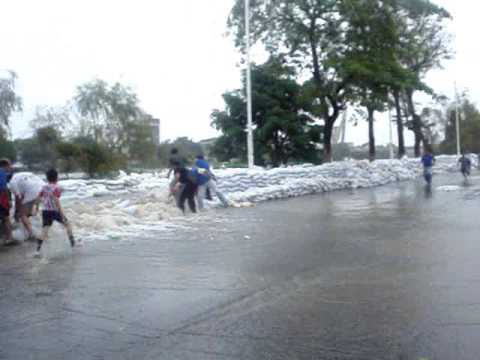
x=52, y=209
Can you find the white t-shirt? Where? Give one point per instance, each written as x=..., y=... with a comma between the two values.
x=26, y=185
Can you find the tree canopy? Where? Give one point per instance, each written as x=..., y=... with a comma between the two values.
x=9, y=100
x=284, y=127
x=352, y=49
x=469, y=116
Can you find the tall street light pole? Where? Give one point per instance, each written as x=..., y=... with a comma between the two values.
x=249, y=88
x=457, y=122
x=390, y=131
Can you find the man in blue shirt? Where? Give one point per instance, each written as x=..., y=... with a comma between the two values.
x=465, y=165
x=206, y=180
x=428, y=160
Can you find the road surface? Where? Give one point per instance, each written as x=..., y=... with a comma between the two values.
x=385, y=273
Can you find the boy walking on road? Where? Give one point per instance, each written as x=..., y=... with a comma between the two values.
x=428, y=160
x=465, y=165
x=52, y=210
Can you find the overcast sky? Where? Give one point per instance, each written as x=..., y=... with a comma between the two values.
x=174, y=54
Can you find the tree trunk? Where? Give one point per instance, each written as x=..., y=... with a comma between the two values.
x=327, y=141
x=329, y=98
x=328, y=129
x=416, y=123
x=401, y=140
x=274, y=156
x=371, y=134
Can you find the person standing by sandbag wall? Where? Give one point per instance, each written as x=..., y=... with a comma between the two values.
x=185, y=187
x=175, y=161
x=206, y=180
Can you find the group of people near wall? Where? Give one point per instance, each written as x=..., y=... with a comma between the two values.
x=25, y=193
x=197, y=182
x=29, y=192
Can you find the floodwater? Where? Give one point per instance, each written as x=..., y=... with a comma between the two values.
x=385, y=273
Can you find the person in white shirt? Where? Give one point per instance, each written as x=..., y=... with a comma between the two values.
x=26, y=187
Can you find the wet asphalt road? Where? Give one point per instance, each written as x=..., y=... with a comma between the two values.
x=386, y=273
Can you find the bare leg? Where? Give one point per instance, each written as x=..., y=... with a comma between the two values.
x=28, y=226
x=43, y=238
x=213, y=188
x=8, y=230
x=45, y=231
x=68, y=228
x=201, y=193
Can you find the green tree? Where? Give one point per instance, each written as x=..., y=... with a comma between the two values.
x=48, y=138
x=232, y=123
x=10, y=102
x=29, y=153
x=113, y=117
x=370, y=62
x=68, y=153
x=423, y=45
x=39, y=151
x=59, y=118
x=187, y=148
x=92, y=102
x=7, y=149
x=308, y=35
x=469, y=128
x=140, y=147
x=284, y=129
x=96, y=159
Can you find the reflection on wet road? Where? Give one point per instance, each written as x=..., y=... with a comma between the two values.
x=387, y=273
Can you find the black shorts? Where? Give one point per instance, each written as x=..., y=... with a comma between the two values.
x=48, y=217
x=4, y=213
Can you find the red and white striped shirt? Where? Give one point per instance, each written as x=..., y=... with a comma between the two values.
x=48, y=194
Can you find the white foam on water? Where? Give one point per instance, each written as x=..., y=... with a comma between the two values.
x=133, y=205
x=449, y=188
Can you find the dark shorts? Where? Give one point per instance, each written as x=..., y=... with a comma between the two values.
x=466, y=170
x=48, y=217
x=4, y=213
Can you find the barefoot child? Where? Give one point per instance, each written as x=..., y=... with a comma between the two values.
x=52, y=209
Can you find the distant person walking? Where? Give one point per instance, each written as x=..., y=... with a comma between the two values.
x=206, y=181
x=465, y=165
x=428, y=160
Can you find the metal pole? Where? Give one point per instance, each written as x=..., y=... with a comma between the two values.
x=390, y=133
x=344, y=126
x=457, y=121
x=249, y=88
